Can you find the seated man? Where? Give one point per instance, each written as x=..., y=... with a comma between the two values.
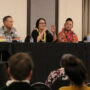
x=20, y=68
x=8, y=30
x=67, y=35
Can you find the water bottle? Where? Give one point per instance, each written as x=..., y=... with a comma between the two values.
x=8, y=38
x=88, y=38
x=31, y=40
x=20, y=40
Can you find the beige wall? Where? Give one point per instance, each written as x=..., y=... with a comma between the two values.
x=73, y=9
x=18, y=10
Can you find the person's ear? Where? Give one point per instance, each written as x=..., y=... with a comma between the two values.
x=30, y=75
x=9, y=71
x=72, y=25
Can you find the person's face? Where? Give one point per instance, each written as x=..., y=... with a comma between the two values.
x=42, y=24
x=68, y=25
x=9, y=23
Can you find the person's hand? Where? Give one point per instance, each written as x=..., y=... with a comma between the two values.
x=53, y=29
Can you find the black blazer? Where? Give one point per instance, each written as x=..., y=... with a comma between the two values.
x=18, y=86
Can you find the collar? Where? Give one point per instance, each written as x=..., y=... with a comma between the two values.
x=5, y=29
x=9, y=82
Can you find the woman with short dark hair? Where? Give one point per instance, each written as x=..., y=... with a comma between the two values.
x=41, y=33
x=76, y=72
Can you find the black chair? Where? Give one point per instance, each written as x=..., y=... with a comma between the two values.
x=3, y=74
x=40, y=86
x=27, y=39
x=5, y=56
x=59, y=83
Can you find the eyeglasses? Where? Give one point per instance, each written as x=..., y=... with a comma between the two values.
x=10, y=21
x=42, y=23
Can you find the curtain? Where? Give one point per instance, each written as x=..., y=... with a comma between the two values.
x=86, y=18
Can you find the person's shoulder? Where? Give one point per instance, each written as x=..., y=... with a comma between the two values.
x=87, y=87
x=2, y=88
x=34, y=32
x=61, y=33
x=65, y=88
x=2, y=29
x=54, y=71
x=13, y=28
x=75, y=35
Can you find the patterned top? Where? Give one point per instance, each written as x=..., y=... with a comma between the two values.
x=4, y=32
x=54, y=75
x=67, y=36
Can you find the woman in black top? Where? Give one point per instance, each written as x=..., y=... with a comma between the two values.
x=41, y=33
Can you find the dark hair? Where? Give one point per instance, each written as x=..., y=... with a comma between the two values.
x=74, y=68
x=37, y=22
x=65, y=59
x=69, y=19
x=20, y=65
x=6, y=17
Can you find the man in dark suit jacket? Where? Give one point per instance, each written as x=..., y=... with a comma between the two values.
x=20, y=72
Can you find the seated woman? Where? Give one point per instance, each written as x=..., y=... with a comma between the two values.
x=41, y=33
x=54, y=75
x=77, y=74
x=67, y=35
